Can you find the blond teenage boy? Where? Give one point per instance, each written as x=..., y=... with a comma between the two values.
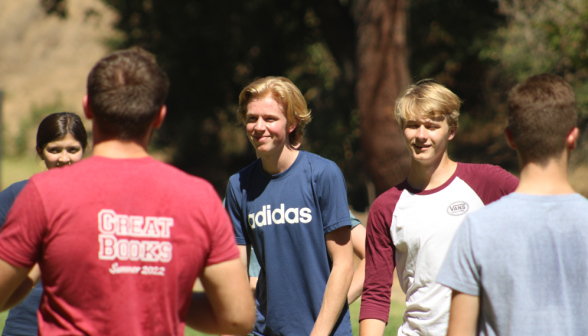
x=291, y=206
x=519, y=266
x=411, y=226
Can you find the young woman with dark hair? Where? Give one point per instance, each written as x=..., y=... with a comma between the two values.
x=61, y=141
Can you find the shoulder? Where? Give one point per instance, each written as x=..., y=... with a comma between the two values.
x=484, y=171
x=15, y=188
x=488, y=181
x=387, y=201
x=496, y=213
x=8, y=195
x=320, y=165
x=241, y=178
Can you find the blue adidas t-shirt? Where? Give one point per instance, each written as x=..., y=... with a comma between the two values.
x=285, y=218
x=22, y=319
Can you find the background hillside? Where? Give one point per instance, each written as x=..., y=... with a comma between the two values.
x=478, y=49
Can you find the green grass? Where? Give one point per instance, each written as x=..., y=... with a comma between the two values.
x=396, y=310
x=18, y=169
x=3, y=319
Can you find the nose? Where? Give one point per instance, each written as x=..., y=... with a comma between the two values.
x=421, y=133
x=64, y=157
x=259, y=125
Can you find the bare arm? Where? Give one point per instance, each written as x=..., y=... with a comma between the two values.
x=463, y=314
x=14, y=285
x=227, y=305
x=244, y=253
x=358, y=242
x=370, y=327
x=341, y=253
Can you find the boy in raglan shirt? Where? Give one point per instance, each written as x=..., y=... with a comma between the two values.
x=519, y=266
x=120, y=237
x=411, y=226
x=291, y=206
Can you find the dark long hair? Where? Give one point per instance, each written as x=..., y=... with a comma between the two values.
x=57, y=125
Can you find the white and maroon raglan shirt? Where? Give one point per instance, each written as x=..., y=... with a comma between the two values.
x=120, y=244
x=412, y=230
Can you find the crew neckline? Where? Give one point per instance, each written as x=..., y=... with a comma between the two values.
x=415, y=191
x=285, y=172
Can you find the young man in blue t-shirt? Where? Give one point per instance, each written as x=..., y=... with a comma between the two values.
x=291, y=207
x=519, y=266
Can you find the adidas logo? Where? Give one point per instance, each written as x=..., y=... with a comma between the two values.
x=279, y=216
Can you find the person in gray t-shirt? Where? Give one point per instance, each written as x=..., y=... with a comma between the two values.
x=519, y=266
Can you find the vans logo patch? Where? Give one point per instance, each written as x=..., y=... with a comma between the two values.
x=458, y=208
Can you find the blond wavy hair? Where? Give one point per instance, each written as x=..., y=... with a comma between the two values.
x=427, y=99
x=286, y=94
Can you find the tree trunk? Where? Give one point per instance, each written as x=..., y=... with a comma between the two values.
x=382, y=73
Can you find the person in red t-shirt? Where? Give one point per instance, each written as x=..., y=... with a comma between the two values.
x=120, y=238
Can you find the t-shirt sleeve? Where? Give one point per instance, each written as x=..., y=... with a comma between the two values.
x=223, y=246
x=459, y=271
x=332, y=195
x=379, y=264
x=6, y=200
x=233, y=206
x=21, y=238
x=7, y=197
x=354, y=221
x=488, y=181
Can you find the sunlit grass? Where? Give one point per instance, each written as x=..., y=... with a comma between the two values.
x=18, y=169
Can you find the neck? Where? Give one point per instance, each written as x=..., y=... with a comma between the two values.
x=430, y=175
x=120, y=149
x=548, y=179
x=275, y=163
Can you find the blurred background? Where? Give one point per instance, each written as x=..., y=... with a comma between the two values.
x=350, y=58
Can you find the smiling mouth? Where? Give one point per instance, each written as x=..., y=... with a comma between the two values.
x=260, y=138
x=421, y=147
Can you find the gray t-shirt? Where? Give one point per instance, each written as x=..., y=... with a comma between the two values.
x=526, y=256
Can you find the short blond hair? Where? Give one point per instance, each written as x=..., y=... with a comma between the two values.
x=427, y=99
x=286, y=94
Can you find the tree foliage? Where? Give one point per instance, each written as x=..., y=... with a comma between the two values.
x=548, y=36
x=479, y=49
x=211, y=52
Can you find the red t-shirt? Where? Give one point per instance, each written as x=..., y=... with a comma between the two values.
x=119, y=242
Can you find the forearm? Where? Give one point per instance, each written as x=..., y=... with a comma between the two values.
x=371, y=327
x=463, y=314
x=21, y=292
x=227, y=305
x=357, y=283
x=200, y=315
x=333, y=299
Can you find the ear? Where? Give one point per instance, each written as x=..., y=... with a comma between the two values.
x=160, y=117
x=572, y=138
x=87, y=110
x=40, y=153
x=509, y=140
x=452, y=131
x=291, y=128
